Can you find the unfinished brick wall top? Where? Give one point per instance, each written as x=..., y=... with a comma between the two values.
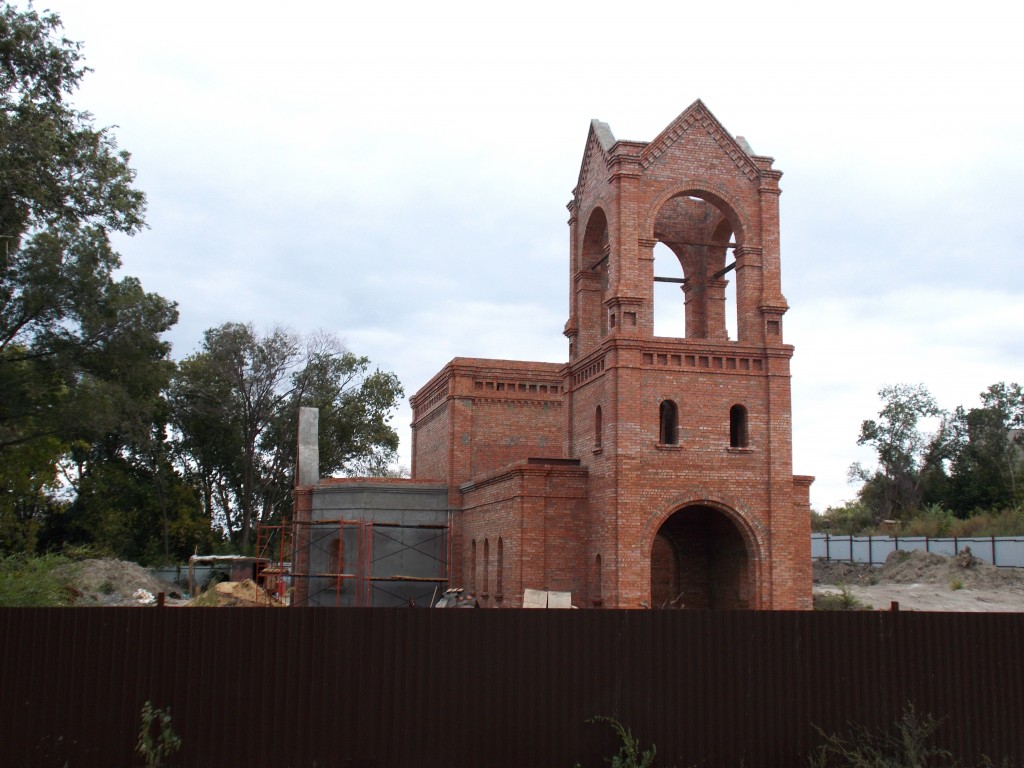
x=476, y=416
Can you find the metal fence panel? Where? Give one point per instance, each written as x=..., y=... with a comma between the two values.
x=1009, y=552
x=419, y=687
x=1002, y=551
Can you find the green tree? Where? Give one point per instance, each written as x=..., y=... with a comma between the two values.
x=235, y=405
x=988, y=461
x=910, y=461
x=29, y=476
x=81, y=356
x=129, y=500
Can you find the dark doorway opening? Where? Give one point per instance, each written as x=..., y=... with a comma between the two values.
x=699, y=560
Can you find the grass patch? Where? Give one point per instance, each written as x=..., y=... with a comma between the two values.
x=206, y=599
x=35, y=582
x=843, y=600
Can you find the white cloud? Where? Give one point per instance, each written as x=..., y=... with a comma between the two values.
x=399, y=172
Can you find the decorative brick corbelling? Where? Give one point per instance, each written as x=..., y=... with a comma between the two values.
x=625, y=301
x=773, y=309
x=752, y=254
x=781, y=352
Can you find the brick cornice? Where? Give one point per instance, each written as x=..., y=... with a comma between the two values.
x=522, y=470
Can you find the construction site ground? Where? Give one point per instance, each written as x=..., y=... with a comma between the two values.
x=923, y=581
x=106, y=582
x=918, y=581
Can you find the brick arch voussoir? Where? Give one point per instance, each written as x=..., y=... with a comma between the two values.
x=753, y=533
x=744, y=228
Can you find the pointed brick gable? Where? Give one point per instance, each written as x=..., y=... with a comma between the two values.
x=599, y=144
x=698, y=117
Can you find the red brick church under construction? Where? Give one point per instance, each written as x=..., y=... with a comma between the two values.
x=647, y=471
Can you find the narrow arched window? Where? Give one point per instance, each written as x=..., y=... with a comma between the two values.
x=669, y=423
x=598, y=427
x=499, y=571
x=472, y=567
x=487, y=558
x=738, y=437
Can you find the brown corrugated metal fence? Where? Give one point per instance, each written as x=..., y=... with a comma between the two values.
x=415, y=687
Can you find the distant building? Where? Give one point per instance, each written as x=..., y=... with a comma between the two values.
x=647, y=471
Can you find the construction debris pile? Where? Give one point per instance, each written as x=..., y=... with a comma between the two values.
x=105, y=581
x=235, y=594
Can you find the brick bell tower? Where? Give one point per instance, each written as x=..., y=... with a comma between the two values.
x=687, y=437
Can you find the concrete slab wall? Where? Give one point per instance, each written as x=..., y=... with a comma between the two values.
x=377, y=543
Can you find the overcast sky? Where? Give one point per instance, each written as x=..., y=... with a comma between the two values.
x=398, y=172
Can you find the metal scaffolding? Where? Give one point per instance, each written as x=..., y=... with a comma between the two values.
x=273, y=566
x=356, y=562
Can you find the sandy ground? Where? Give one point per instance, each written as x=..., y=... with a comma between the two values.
x=933, y=597
x=920, y=581
x=105, y=581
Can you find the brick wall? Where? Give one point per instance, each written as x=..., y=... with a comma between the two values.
x=717, y=504
x=535, y=511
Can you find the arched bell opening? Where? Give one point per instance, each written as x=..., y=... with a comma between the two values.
x=700, y=560
x=591, y=281
x=700, y=235
x=669, y=301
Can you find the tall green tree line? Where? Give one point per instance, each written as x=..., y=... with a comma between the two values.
x=82, y=361
x=235, y=406
x=104, y=440
x=970, y=460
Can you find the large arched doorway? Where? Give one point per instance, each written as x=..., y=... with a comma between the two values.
x=699, y=559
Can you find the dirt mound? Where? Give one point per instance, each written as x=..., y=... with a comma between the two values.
x=929, y=568
x=112, y=582
x=919, y=567
x=234, y=594
x=842, y=572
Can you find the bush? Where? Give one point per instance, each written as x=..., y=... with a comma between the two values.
x=33, y=582
x=839, y=601
x=157, y=739
x=630, y=754
x=849, y=518
x=934, y=521
x=907, y=745
x=1005, y=522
